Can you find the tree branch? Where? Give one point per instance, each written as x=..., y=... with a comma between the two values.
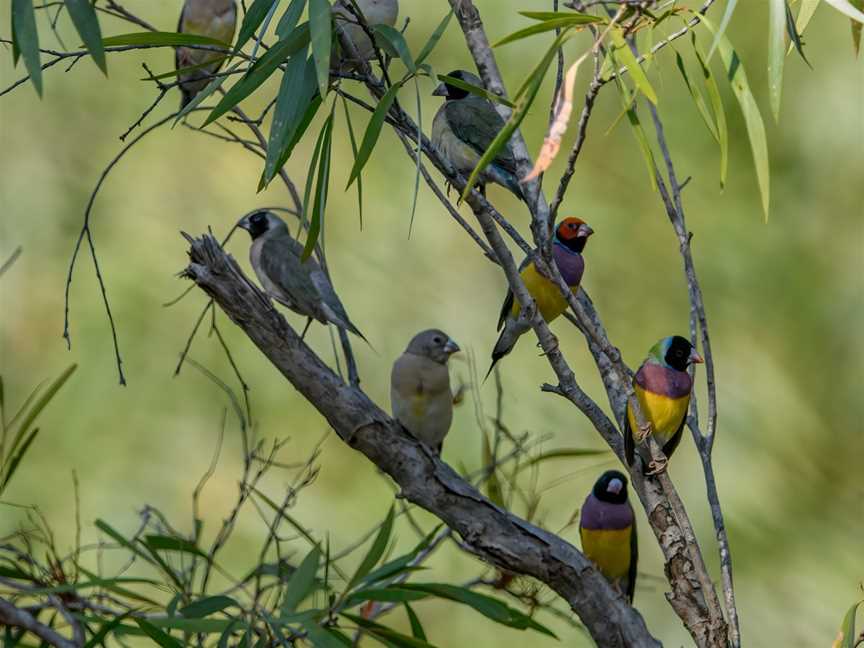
x=17, y=618
x=493, y=534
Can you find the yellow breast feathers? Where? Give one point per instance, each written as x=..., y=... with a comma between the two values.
x=665, y=414
x=609, y=549
x=549, y=299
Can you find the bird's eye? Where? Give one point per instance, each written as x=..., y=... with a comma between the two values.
x=437, y=340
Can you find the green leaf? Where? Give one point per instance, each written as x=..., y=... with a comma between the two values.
x=560, y=21
x=353, y=140
x=847, y=638
x=719, y=113
x=290, y=18
x=321, y=26
x=105, y=630
x=753, y=119
x=416, y=627
x=37, y=408
x=724, y=23
x=805, y=14
x=321, y=187
x=373, y=130
x=170, y=543
x=300, y=585
x=393, y=594
x=163, y=39
x=255, y=15
x=296, y=134
x=475, y=90
x=525, y=96
x=696, y=95
x=200, y=97
x=776, y=52
x=26, y=39
x=622, y=50
x=261, y=71
x=794, y=36
x=206, y=606
x=14, y=572
x=489, y=607
x=15, y=459
x=161, y=638
x=389, y=637
x=434, y=38
x=295, y=92
x=395, y=43
x=184, y=70
x=419, y=154
x=324, y=637
x=856, y=27
x=375, y=551
x=553, y=15
x=87, y=24
x=846, y=7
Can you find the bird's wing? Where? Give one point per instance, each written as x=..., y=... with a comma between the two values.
x=634, y=559
x=280, y=261
x=675, y=439
x=507, y=306
x=629, y=443
x=333, y=308
x=476, y=122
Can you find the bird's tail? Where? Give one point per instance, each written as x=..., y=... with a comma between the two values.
x=507, y=180
x=185, y=97
x=506, y=341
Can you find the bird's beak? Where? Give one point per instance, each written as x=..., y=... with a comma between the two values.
x=615, y=486
x=243, y=223
x=584, y=231
x=695, y=358
x=451, y=347
x=440, y=91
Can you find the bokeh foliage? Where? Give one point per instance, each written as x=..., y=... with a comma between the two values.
x=784, y=301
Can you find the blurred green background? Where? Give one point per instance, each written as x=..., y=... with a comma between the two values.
x=784, y=301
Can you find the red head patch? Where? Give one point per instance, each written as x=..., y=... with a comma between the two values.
x=572, y=228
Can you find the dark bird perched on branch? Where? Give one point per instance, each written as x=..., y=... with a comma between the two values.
x=300, y=285
x=608, y=531
x=214, y=18
x=571, y=235
x=420, y=387
x=662, y=386
x=375, y=12
x=463, y=129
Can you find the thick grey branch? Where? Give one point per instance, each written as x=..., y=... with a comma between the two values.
x=495, y=535
x=16, y=618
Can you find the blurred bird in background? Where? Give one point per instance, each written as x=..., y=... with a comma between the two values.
x=420, y=393
x=214, y=18
x=300, y=285
x=463, y=129
x=375, y=12
x=662, y=386
x=571, y=235
x=608, y=530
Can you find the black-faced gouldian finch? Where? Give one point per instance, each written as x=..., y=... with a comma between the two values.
x=607, y=527
x=571, y=235
x=463, y=129
x=375, y=12
x=302, y=286
x=662, y=386
x=214, y=18
x=420, y=387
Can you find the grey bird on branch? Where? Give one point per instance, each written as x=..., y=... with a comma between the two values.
x=420, y=387
x=463, y=129
x=300, y=285
x=215, y=19
x=375, y=12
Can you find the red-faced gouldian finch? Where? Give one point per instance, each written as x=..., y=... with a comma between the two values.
x=607, y=527
x=463, y=129
x=420, y=387
x=214, y=18
x=663, y=387
x=571, y=235
x=300, y=285
x=375, y=12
